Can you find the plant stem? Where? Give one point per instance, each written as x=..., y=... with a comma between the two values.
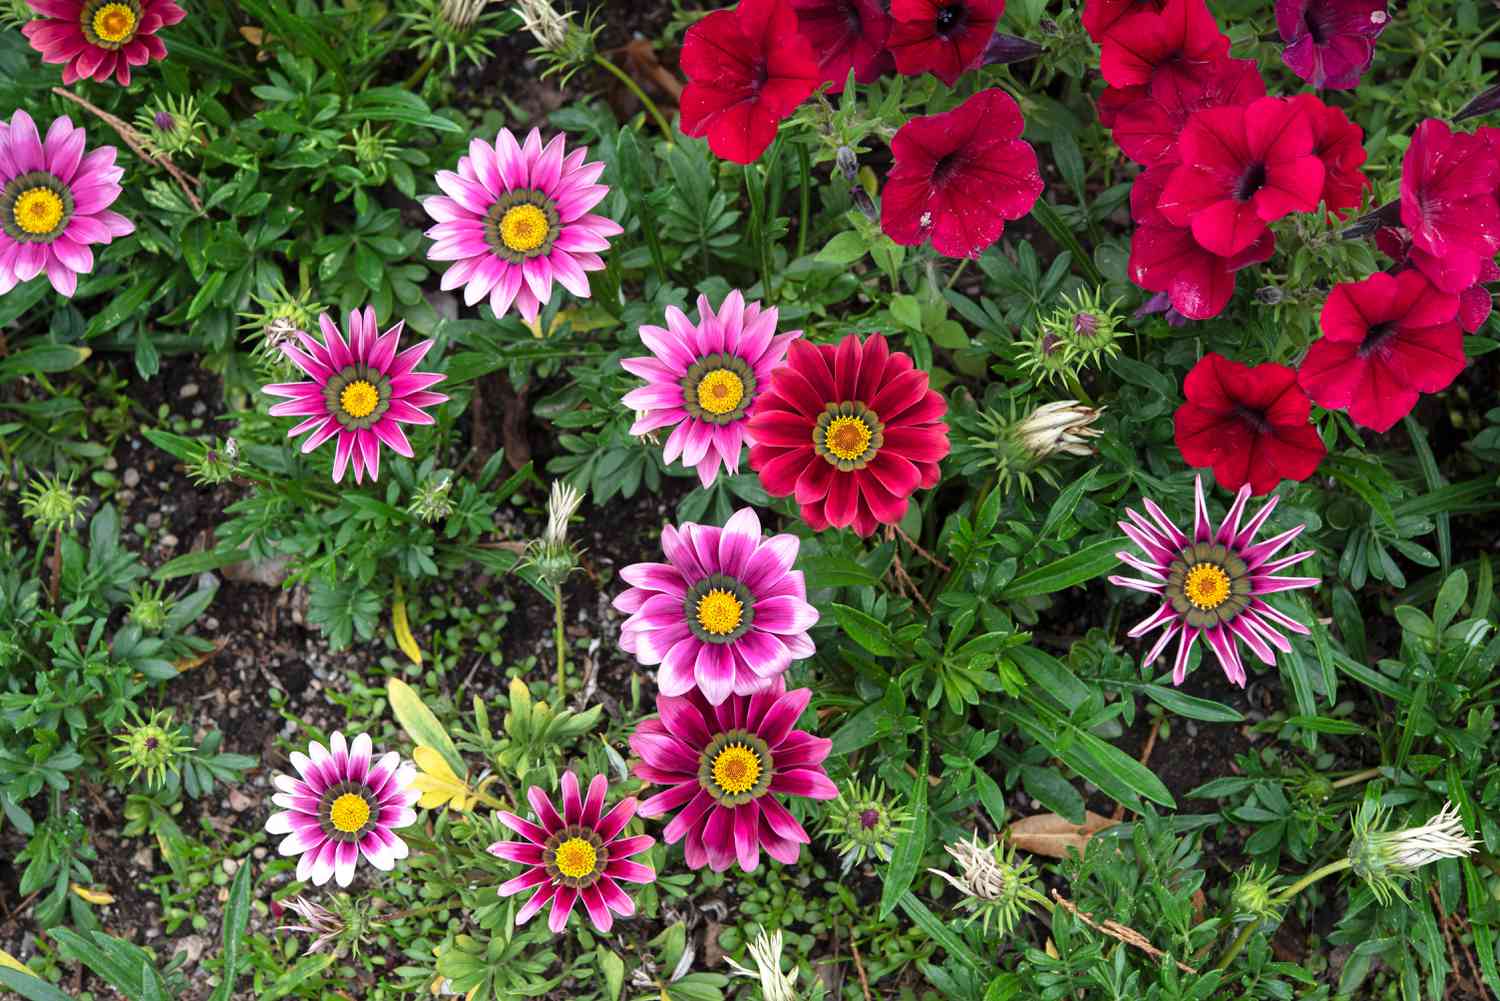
x=1281, y=898
x=560, y=641
x=1356, y=778
x=804, y=169
x=640, y=95
x=420, y=74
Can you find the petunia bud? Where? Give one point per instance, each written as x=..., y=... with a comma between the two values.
x=1482, y=105
x=1003, y=49
x=847, y=162
x=1269, y=295
x=865, y=203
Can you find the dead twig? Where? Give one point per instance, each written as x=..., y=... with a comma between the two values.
x=894, y=530
x=1119, y=932
x=132, y=138
x=859, y=967
x=1119, y=813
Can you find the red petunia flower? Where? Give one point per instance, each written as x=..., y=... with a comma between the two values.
x=850, y=431
x=1450, y=201
x=1339, y=143
x=1165, y=258
x=1474, y=302
x=1330, y=43
x=1176, y=41
x=97, y=38
x=1249, y=424
x=1386, y=340
x=1147, y=120
x=1241, y=169
x=959, y=176
x=747, y=69
x=847, y=35
x=941, y=37
x=1101, y=15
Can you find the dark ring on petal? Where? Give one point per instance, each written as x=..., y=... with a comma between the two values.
x=858, y=411
x=719, y=582
x=333, y=396
x=17, y=187
x=700, y=369
x=758, y=747
x=588, y=834
x=509, y=200
x=325, y=810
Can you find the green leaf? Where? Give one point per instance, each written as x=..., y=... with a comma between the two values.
x=1049, y=788
x=1062, y=508
x=42, y=358
x=1075, y=568
x=1111, y=769
x=30, y=986
x=939, y=932
x=613, y=968
x=1450, y=599
x=1191, y=706
x=191, y=563
x=236, y=920
x=421, y=725
x=907, y=858
x=866, y=630
x=844, y=249
x=307, y=968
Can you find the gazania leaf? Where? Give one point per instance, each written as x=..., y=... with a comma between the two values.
x=404, y=638
x=421, y=725
x=96, y=897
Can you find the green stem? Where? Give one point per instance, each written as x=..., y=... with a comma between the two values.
x=561, y=642
x=1356, y=778
x=415, y=80
x=804, y=170
x=957, y=272
x=640, y=95
x=1281, y=898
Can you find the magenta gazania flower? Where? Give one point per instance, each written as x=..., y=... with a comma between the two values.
x=514, y=218
x=725, y=766
x=1330, y=43
x=1214, y=584
x=726, y=614
x=361, y=390
x=96, y=38
x=701, y=380
x=576, y=855
x=341, y=807
x=849, y=431
x=1450, y=202
x=54, y=202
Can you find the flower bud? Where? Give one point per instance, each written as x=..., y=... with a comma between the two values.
x=1485, y=103
x=1064, y=426
x=1003, y=48
x=847, y=162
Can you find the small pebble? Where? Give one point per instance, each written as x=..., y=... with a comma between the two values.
x=188, y=391
x=132, y=477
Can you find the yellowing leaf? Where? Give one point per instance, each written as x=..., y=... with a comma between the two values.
x=6, y=959
x=438, y=784
x=420, y=724
x=1050, y=835
x=96, y=897
x=404, y=639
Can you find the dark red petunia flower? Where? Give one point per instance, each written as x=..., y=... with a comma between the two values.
x=1450, y=202
x=1148, y=120
x=959, y=176
x=941, y=37
x=747, y=69
x=1339, y=143
x=1474, y=302
x=849, y=431
x=1249, y=424
x=1386, y=340
x=96, y=39
x=1241, y=169
x=1165, y=258
x=1176, y=41
x=1330, y=43
x=1101, y=15
x=846, y=35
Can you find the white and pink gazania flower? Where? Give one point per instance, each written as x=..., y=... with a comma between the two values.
x=342, y=805
x=361, y=390
x=701, y=379
x=726, y=614
x=514, y=218
x=1213, y=584
x=54, y=202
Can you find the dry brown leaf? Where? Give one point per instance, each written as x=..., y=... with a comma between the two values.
x=1050, y=835
x=642, y=63
x=255, y=36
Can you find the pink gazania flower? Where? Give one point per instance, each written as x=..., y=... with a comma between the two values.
x=726, y=614
x=1214, y=584
x=1241, y=169
x=514, y=218
x=941, y=37
x=576, y=855
x=1450, y=202
x=1330, y=43
x=960, y=176
x=361, y=390
x=725, y=766
x=343, y=806
x=701, y=380
x=849, y=431
x=1176, y=41
x=1386, y=340
x=1146, y=120
x=54, y=202
x=747, y=68
x=846, y=35
x=96, y=38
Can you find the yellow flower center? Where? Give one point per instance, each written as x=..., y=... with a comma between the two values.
x=349, y=812
x=576, y=858
x=114, y=22
x=720, y=391
x=38, y=210
x=359, y=398
x=847, y=437
x=523, y=228
x=736, y=769
x=1207, y=586
x=720, y=612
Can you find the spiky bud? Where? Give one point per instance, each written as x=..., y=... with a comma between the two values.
x=1385, y=859
x=995, y=885
x=1065, y=427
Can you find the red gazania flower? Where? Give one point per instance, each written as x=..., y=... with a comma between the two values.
x=1147, y=120
x=1339, y=143
x=851, y=432
x=1330, y=43
x=1176, y=41
x=941, y=37
x=847, y=35
x=959, y=176
x=1386, y=340
x=1449, y=186
x=1249, y=424
x=1166, y=258
x=747, y=69
x=1241, y=169
x=97, y=38
x=1101, y=15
